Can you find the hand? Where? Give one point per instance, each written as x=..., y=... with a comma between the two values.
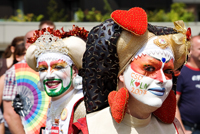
x=18, y=105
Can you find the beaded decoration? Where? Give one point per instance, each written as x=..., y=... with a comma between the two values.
x=50, y=43
x=162, y=42
x=133, y=20
x=49, y=40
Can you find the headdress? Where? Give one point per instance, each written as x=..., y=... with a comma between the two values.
x=113, y=44
x=71, y=43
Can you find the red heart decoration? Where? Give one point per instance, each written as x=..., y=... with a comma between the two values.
x=118, y=103
x=133, y=20
x=137, y=83
x=166, y=113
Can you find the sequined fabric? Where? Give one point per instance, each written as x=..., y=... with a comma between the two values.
x=100, y=65
x=161, y=30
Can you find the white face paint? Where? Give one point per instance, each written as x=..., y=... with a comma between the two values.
x=148, y=78
x=55, y=75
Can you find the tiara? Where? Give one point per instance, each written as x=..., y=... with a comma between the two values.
x=49, y=40
x=49, y=43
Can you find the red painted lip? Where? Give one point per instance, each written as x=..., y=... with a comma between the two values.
x=52, y=84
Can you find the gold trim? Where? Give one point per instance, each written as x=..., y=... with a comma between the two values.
x=162, y=42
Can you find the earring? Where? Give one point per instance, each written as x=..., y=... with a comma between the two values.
x=118, y=101
x=77, y=82
x=40, y=86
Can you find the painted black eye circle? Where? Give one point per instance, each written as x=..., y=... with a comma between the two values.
x=59, y=67
x=149, y=68
x=168, y=71
x=42, y=69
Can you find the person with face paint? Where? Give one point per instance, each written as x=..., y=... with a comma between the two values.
x=127, y=74
x=57, y=55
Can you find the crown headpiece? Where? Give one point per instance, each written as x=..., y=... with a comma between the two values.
x=49, y=40
x=49, y=43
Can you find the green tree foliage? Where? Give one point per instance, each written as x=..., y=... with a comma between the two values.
x=178, y=12
x=94, y=15
x=54, y=14
x=108, y=10
x=20, y=17
x=80, y=15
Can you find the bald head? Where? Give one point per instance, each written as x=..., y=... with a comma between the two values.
x=194, y=56
x=195, y=41
x=28, y=35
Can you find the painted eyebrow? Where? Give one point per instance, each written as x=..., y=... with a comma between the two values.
x=160, y=60
x=42, y=63
x=57, y=62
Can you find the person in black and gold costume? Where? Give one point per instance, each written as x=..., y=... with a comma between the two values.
x=127, y=75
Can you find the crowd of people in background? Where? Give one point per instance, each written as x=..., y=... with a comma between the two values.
x=7, y=60
x=116, y=78
x=13, y=54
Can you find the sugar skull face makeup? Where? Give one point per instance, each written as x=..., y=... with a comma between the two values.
x=55, y=75
x=148, y=77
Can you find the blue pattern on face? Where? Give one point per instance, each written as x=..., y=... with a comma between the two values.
x=163, y=60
